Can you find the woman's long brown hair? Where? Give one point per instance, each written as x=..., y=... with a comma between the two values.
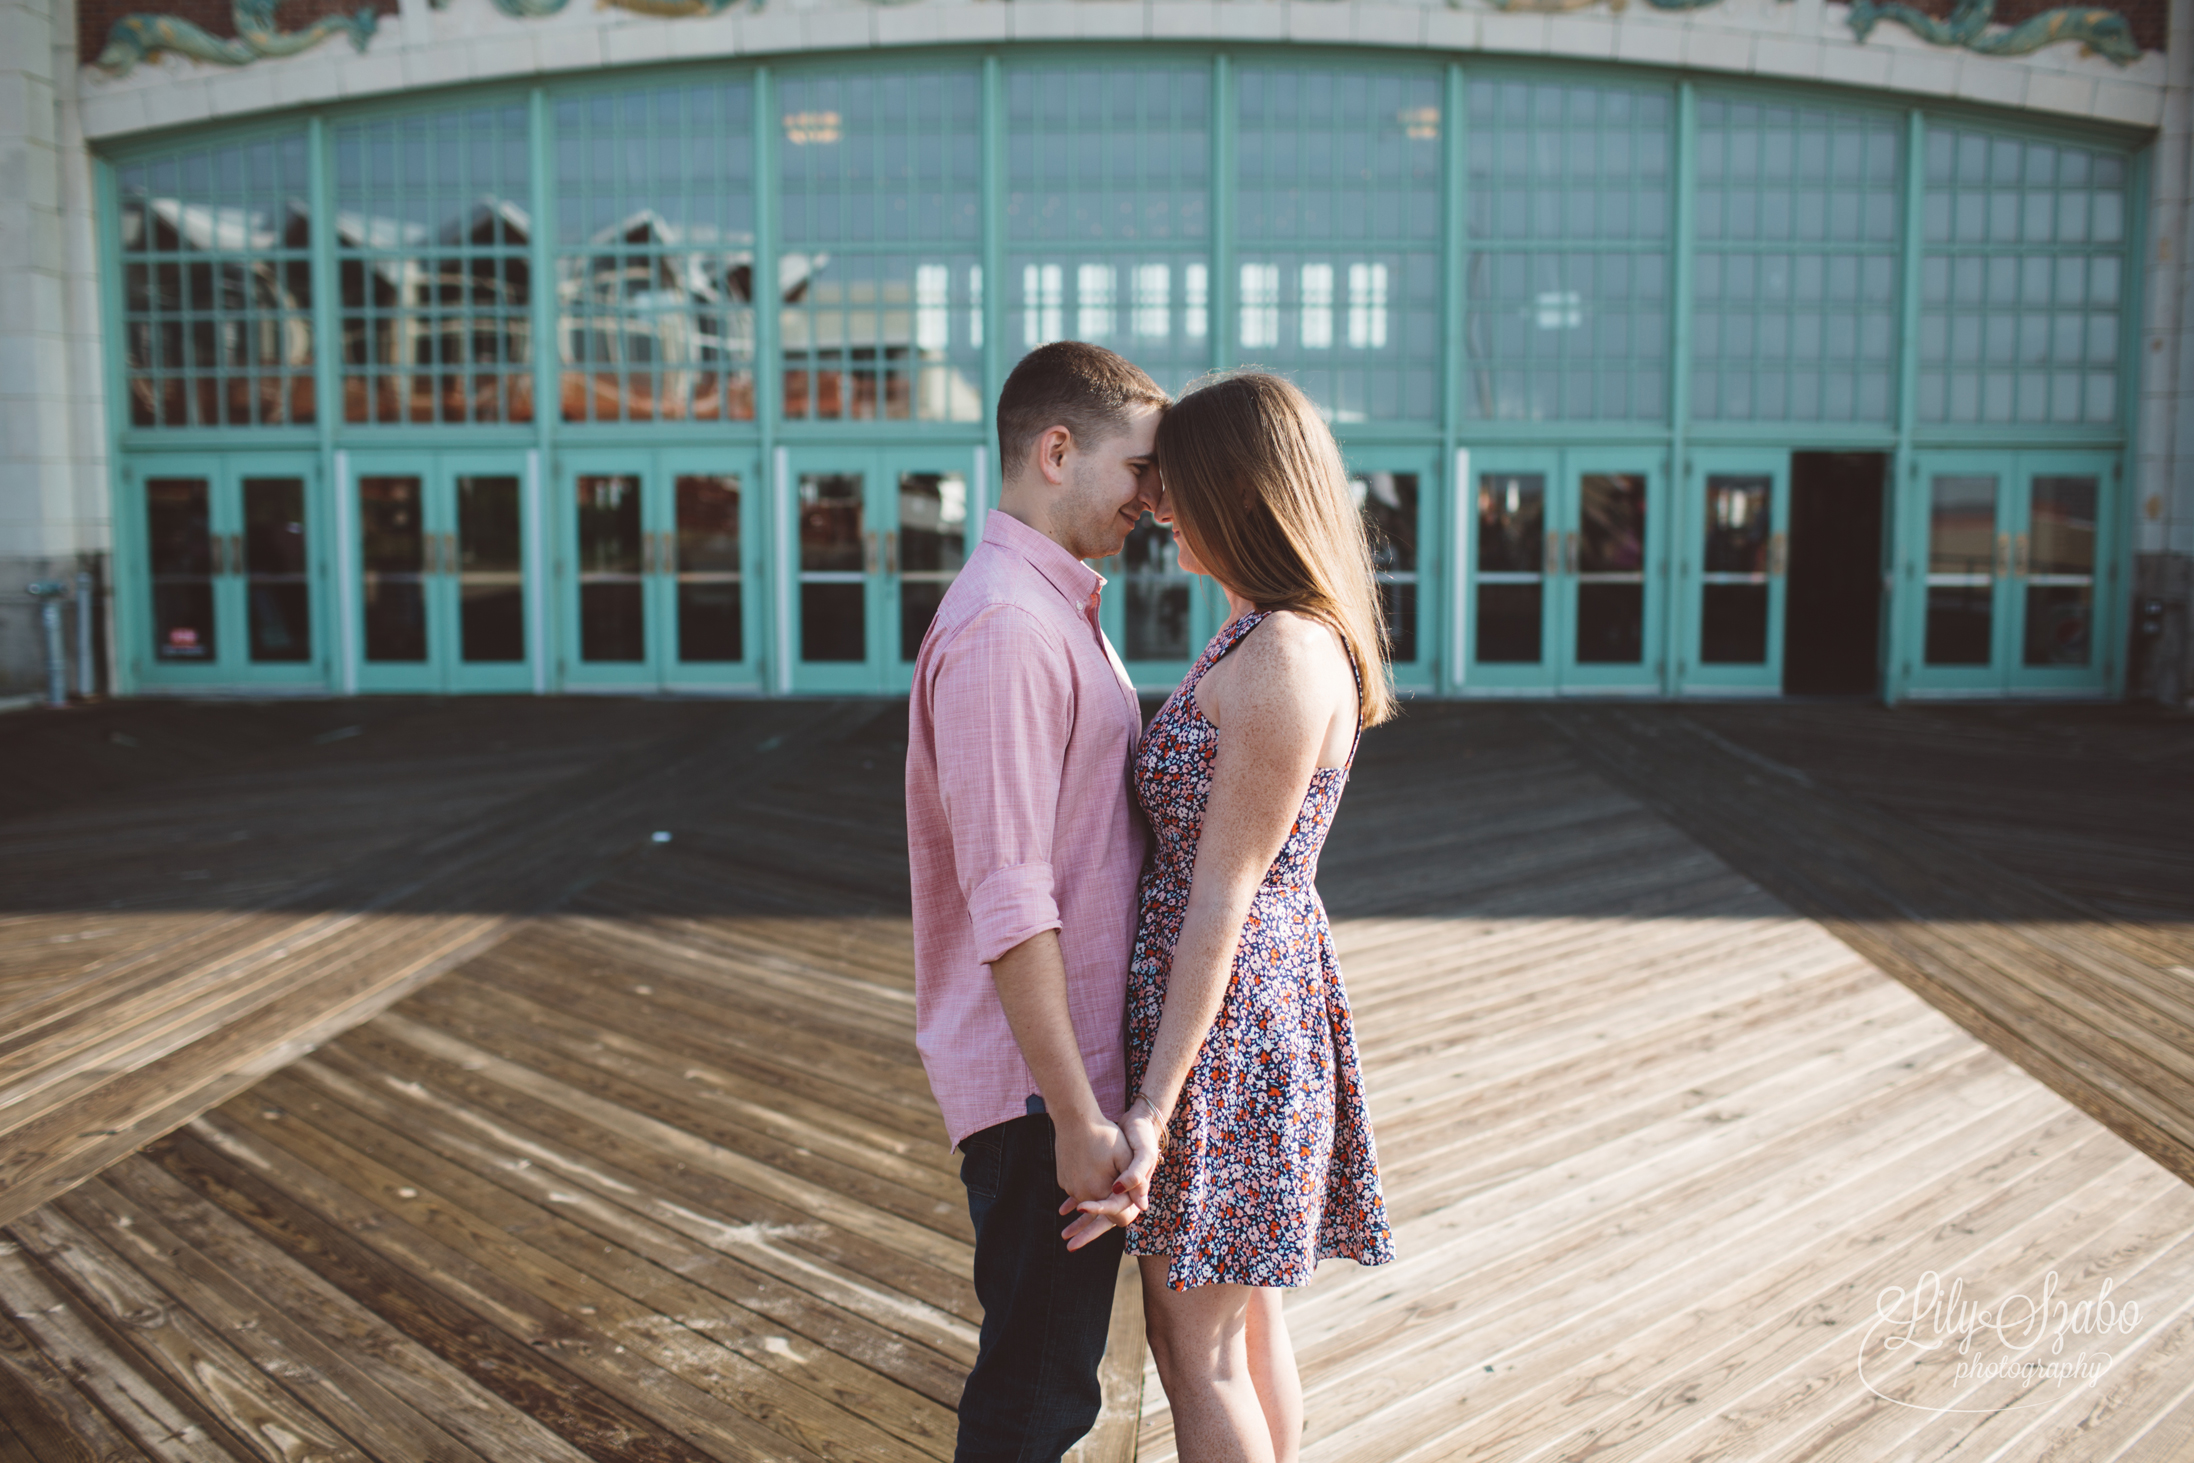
x=1257, y=487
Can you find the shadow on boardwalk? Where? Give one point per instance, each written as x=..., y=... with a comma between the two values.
x=484, y=1125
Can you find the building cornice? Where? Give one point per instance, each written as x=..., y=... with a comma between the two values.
x=2034, y=67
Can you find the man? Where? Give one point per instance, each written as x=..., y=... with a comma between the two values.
x=1025, y=855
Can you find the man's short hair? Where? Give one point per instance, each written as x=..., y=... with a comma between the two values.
x=1085, y=388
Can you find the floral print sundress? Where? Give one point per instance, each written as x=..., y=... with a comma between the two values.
x=1269, y=1164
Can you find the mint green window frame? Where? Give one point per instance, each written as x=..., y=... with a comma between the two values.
x=1107, y=209
x=1674, y=419
x=879, y=200
x=2023, y=281
x=216, y=245
x=654, y=232
x=1795, y=262
x=1336, y=229
x=436, y=219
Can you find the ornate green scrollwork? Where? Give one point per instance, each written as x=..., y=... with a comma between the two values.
x=135, y=37
x=535, y=9
x=2104, y=32
x=1552, y=7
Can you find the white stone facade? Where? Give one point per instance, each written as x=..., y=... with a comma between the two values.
x=53, y=469
x=54, y=487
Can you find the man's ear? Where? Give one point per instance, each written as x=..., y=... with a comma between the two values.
x=1052, y=445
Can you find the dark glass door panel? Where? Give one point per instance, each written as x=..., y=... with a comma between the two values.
x=1388, y=502
x=393, y=552
x=832, y=523
x=1157, y=594
x=184, y=559
x=831, y=623
x=833, y=582
x=612, y=590
x=1733, y=596
x=276, y=571
x=932, y=545
x=1739, y=518
x=2057, y=557
x=1733, y=624
x=1512, y=561
x=710, y=627
x=491, y=595
x=1610, y=566
x=1961, y=582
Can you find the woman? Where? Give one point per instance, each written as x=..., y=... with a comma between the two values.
x=1254, y=1156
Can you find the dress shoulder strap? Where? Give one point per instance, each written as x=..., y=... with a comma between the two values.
x=1229, y=637
x=1358, y=672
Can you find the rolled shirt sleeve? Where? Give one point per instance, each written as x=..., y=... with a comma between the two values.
x=1003, y=709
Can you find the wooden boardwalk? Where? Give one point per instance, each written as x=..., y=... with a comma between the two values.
x=447, y=1114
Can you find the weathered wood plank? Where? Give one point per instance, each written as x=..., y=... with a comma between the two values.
x=254, y=1409
x=48, y=1418
x=1644, y=1131
x=597, y=1420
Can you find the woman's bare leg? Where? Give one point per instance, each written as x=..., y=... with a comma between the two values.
x=1272, y=1371
x=1200, y=1340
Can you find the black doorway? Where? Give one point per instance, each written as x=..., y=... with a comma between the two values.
x=1833, y=597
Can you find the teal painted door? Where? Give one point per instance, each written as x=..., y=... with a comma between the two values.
x=230, y=562
x=655, y=553
x=1512, y=556
x=1397, y=492
x=1566, y=589
x=1157, y=615
x=1611, y=592
x=877, y=536
x=931, y=528
x=1731, y=556
x=2012, y=553
x=2064, y=573
x=442, y=594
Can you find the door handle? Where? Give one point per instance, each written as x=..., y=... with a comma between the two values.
x=891, y=551
x=666, y=549
x=2003, y=554
x=868, y=552
x=651, y=553
x=1553, y=558
x=2019, y=560
x=1778, y=555
x=1569, y=553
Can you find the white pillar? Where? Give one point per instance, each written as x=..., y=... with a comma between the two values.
x=2163, y=468
x=53, y=493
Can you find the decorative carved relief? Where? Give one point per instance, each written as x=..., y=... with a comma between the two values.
x=1555, y=7
x=535, y=9
x=136, y=37
x=2104, y=32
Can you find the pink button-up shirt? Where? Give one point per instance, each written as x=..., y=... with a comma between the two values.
x=1019, y=736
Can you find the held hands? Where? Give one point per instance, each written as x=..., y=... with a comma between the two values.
x=1090, y=1157
x=1141, y=1132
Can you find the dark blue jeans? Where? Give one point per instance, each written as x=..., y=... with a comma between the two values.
x=1034, y=1391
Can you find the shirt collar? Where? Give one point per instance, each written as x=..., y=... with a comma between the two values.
x=1076, y=581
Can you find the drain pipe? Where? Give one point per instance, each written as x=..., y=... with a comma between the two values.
x=86, y=673
x=49, y=593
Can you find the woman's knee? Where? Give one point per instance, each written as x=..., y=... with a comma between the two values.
x=1196, y=1333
